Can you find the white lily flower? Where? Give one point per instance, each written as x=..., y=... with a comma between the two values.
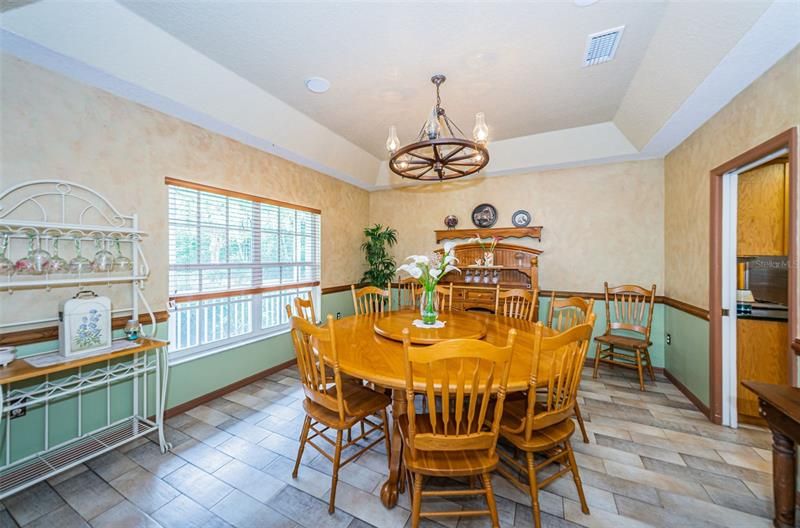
x=474, y=240
x=448, y=247
x=449, y=259
x=448, y=269
x=411, y=269
x=435, y=273
x=419, y=259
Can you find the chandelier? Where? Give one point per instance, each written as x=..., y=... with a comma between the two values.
x=439, y=153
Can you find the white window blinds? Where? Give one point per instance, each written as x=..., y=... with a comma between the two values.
x=224, y=244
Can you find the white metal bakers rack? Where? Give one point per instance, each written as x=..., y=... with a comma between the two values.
x=50, y=211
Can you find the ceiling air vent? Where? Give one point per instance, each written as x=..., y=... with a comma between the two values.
x=601, y=47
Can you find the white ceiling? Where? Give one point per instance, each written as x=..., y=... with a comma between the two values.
x=520, y=63
x=238, y=68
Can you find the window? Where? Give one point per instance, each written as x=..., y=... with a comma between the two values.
x=235, y=262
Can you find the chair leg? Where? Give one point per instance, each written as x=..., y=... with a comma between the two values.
x=416, y=501
x=577, y=478
x=487, y=485
x=303, y=436
x=596, y=360
x=580, y=423
x=337, y=456
x=537, y=521
x=649, y=364
x=639, y=369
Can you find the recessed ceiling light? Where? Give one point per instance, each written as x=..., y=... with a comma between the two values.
x=584, y=3
x=317, y=85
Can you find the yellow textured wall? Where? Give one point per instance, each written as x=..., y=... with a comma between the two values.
x=53, y=127
x=602, y=222
x=766, y=108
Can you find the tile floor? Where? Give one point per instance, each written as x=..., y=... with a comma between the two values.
x=653, y=460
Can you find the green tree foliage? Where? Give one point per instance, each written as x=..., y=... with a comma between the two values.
x=381, y=264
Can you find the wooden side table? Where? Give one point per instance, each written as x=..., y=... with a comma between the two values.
x=780, y=406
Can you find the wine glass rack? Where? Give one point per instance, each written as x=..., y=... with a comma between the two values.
x=48, y=212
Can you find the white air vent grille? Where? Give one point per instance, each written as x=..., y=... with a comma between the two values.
x=601, y=47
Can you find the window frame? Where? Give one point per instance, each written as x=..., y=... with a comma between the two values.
x=257, y=294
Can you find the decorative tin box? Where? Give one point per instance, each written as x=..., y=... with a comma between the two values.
x=84, y=324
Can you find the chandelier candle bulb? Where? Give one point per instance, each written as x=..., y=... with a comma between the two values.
x=481, y=132
x=392, y=142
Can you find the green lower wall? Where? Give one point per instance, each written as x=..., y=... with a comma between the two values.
x=687, y=356
x=188, y=380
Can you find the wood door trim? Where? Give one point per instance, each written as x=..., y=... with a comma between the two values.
x=786, y=139
x=50, y=333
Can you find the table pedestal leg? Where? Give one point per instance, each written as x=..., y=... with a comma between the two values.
x=783, y=479
x=390, y=488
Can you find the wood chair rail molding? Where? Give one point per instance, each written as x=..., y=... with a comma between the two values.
x=503, y=232
x=50, y=333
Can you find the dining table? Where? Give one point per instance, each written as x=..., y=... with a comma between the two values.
x=370, y=347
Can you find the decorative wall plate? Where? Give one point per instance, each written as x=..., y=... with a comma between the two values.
x=451, y=221
x=484, y=215
x=521, y=218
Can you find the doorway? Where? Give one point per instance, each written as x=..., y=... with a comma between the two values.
x=726, y=273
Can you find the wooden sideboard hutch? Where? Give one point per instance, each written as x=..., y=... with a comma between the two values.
x=514, y=267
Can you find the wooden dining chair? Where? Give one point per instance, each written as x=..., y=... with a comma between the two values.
x=331, y=404
x=304, y=308
x=444, y=296
x=563, y=315
x=542, y=422
x=451, y=440
x=629, y=319
x=517, y=303
x=370, y=300
x=407, y=293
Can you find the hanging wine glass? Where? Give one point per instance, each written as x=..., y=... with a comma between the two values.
x=121, y=262
x=79, y=264
x=103, y=259
x=57, y=264
x=6, y=266
x=40, y=259
x=24, y=265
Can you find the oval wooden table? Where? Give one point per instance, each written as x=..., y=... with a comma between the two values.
x=365, y=354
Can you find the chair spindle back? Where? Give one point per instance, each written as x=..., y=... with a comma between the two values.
x=561, y=357
x=630, y=307
x=407, y=292
x=371, y=300
x=464, y=373
x=318, y=362
x=304, y=308
x=566, y=313
x=517, y=303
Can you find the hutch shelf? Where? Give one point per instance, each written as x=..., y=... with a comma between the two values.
x=502, y=232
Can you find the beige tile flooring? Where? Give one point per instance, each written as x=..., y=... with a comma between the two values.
x=653, y=460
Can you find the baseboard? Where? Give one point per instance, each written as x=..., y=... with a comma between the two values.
x=200, y=400
x=702, y=407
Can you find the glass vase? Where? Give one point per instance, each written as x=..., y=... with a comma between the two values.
x=429, y=306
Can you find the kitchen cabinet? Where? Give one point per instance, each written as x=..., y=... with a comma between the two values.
x=761, y=355
x=763, y=211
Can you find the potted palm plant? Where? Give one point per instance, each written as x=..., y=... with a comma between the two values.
x=381, y=265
